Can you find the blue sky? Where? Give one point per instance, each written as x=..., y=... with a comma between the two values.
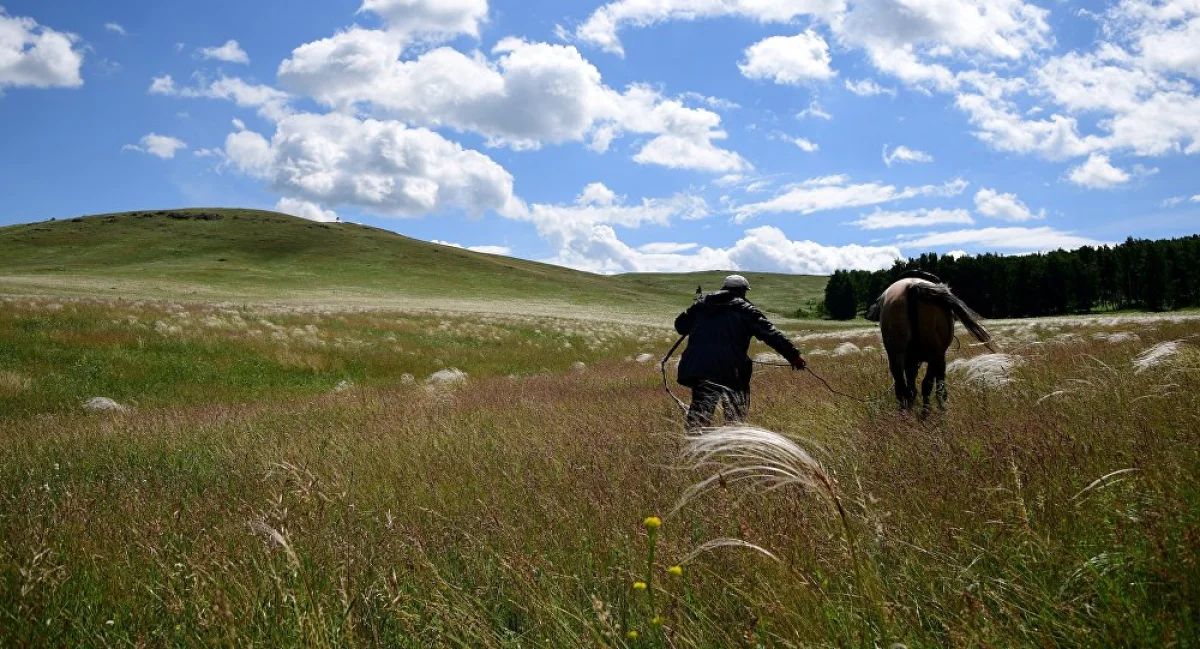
x=635, y=135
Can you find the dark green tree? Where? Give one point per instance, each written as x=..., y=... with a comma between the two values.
x=840, y=299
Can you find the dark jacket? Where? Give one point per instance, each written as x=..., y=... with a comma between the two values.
x=719, y=328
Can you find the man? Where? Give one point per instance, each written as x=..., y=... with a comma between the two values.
x=716, y=365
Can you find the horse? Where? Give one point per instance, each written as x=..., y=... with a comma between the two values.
x=916, y=318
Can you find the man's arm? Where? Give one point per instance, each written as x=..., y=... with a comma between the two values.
x=683, y=322
x=762, y=329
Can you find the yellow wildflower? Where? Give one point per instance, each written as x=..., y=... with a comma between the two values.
x=639, y=585
x=632, y=635
x=676, y=571
x=657, y=621
x=652, y=523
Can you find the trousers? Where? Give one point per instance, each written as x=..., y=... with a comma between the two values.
x=705, y=397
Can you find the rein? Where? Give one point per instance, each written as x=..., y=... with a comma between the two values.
x=817, y=377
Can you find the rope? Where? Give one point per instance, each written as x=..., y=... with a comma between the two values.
x=817, y=377
x=663, y=366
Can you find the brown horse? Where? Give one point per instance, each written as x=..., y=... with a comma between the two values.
x=916, y=318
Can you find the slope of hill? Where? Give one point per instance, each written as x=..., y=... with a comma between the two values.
x=231, y=254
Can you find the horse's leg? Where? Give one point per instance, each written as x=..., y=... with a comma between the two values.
x=912, y=363
x=896, y=364
x=940, y=380
x=931, y=374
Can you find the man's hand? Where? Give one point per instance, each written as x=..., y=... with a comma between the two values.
x=799, y=363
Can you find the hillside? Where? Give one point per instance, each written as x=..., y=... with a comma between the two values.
x=229, y=254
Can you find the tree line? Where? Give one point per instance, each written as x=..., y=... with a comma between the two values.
x=1142, y=274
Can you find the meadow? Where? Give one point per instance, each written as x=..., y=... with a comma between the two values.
x=290, y=476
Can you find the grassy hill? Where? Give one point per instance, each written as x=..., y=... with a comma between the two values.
x=234, y=254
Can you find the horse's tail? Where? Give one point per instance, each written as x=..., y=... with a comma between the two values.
x=940, y=294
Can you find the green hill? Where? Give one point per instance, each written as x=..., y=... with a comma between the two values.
x=229, y=254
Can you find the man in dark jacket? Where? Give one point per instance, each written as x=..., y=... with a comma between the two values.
x=716, y=364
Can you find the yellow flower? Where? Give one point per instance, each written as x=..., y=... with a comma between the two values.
x=657, y=621
x=632, y=635
x=676, y=571
x=639, y=585
x=652, y=523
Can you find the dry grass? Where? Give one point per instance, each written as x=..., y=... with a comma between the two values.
x=507, y=511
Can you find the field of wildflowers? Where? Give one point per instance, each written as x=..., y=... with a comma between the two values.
x=291, y=477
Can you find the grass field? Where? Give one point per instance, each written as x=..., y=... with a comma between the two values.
x=246, y=499
x=255, y=256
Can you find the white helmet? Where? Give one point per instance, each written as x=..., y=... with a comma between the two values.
x=735, y=282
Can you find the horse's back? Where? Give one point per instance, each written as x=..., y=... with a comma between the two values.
x=935, y=324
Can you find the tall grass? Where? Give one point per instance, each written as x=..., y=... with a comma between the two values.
x=508, y=512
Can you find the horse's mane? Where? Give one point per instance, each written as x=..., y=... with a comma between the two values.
x=917, y=273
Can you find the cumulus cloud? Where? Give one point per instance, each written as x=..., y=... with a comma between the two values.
x=33, y=56
x=814, y=111
x=808, y=146
x=490, y=250
x=764, y=249
x=271, y=103
x=384, y=167
x=230, y=52
x=908, y=38
x=1098, y=173
x=919, y=218
x=666, y=247
x=530, y=94
x=430, y=19
x=1007, y=207
x=600, y=29
x=306, y=210
x=1008, y=239
x=790, y=60
x=904, y=154
x=162, y=146
x=868, y=88
x=837, y=192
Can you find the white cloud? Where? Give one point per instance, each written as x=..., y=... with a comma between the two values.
x=868, y=88
x=1098, y=173
x=306, y=210
x=209, y=153
x=880, y=220
x=836, y=192
x=904, y=154
x=815, y=111
x=681, y=152
x=1128, y=85
x=791, y=60
x=1009, y=238
x=808, y=146
x=600, y=29
x=37, y=57
x=904, y=37
x=115, y=28
x=666, y=248
x=1195, y=199
x=430, y=19
x=164, y=85
x=230, y=52
x=1007, y=207
x=764, y=249
x=490, y=250
x=1001, y=126
x=270, y=102
x=598, y=194
x=162, y=146
x=385, y=167
x=531, y=94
